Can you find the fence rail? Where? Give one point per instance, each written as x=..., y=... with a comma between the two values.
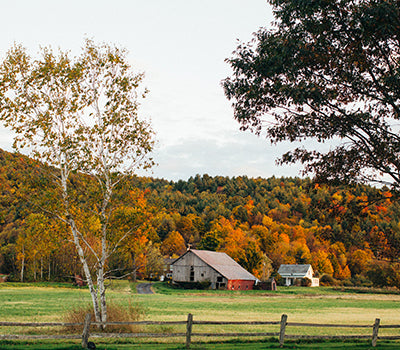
x=282, y=335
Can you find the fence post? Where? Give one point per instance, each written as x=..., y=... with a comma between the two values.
x=85, y=333
x=189, y=330
x=375, y=331
x=283, y=328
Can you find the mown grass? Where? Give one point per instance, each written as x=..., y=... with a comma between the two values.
x=301, y=304
x=49, y=302
x=165, y=288
x=38, y=303
x=237, y=344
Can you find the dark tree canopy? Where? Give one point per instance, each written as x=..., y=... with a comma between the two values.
x=328, y=71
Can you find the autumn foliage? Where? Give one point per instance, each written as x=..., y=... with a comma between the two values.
x=349, y=233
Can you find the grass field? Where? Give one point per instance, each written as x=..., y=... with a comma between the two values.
x=227, y=345
x=28, y=302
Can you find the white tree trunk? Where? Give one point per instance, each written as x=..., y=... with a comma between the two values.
x=86, y=269
x=22, y=265
x=78, y=246
x=102, y=291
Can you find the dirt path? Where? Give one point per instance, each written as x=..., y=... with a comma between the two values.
x=144, y=288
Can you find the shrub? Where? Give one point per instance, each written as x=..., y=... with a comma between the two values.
x=305, y=282
x=115, y=313
x=327, y=280
x=361, y=281
x=384, y=274
x=278, y=278
x=347, y=283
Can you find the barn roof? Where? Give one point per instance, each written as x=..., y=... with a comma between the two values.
x=169, y=261
x=223, y=264
x=293, y=270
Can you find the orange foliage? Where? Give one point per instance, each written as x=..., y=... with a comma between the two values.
x=321, y=262
x=173, y=244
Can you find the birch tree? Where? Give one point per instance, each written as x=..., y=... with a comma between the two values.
x=80, y=114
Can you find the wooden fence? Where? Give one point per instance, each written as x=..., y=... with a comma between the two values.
x=190, y=322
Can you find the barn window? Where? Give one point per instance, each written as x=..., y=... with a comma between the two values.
x=219, y=279
x=191, y=274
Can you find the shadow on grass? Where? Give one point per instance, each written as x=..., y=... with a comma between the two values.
x=222, y=345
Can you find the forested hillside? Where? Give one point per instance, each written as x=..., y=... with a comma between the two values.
x=349, y=233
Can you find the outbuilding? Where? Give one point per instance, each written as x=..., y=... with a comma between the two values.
x=219, y=269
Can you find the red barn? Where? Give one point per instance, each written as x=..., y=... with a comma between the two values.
x=217, y=268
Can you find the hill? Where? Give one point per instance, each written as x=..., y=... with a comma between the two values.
x=349, y=233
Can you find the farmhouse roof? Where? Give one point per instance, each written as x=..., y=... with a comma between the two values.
x=294, y=270
x=223, y=264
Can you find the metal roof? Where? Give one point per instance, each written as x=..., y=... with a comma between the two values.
x=293, y=270
x=223, y=264
x=169, y=261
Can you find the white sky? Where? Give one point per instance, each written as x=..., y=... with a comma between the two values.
x=181, y=46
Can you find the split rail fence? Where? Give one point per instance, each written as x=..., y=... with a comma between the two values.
x=189, y=334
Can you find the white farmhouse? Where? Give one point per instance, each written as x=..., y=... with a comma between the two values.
x=292, y=272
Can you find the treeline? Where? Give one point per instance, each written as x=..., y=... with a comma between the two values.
x=350, y=235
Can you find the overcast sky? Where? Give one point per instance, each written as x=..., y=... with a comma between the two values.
x=181, y=46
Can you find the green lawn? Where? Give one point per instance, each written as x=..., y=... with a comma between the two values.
x=227, y=345
x=48, y=302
